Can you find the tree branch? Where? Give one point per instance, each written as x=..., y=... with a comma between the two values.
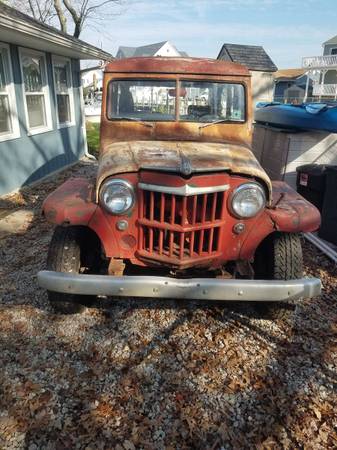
x=31, y=7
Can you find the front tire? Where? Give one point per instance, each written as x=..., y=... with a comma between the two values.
x=70, y=250
x=279, y=257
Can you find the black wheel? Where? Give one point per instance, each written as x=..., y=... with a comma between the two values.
x=76, y=250
x=279, y=257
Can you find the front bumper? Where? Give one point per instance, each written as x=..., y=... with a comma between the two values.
x=193, y=288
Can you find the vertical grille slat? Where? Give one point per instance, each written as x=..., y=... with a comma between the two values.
x=151, y=205
x=203, y=210
x=173, y=209
x=161, y=212
x=150, y=240
x=183, y=210
x=181, y=245
x=192, y=236
x=194, y=209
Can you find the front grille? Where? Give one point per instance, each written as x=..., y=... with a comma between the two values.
x=180, y=229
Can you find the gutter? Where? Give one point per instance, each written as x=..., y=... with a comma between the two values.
x=44, y=33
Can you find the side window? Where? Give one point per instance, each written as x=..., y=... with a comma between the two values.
x=36, y=91
x=9, y=124
x=63, y=91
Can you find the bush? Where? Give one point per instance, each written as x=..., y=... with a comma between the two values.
x=93, y=137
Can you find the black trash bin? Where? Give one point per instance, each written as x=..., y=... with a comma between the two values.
x=328, y=230
x=311, y=181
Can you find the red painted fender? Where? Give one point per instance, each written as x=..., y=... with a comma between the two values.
x=290, y=212
x=71, y=204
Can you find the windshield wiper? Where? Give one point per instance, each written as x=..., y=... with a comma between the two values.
x=135, y=119
x=218, y=121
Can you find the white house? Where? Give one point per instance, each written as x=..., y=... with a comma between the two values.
x=92, y=77
x=322, y=70
x=164, y=48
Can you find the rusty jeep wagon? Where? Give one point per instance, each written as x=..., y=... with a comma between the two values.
x=180, y=207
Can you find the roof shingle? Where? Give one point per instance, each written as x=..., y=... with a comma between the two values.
x=252, y=56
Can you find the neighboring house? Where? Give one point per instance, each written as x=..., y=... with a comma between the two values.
x=260, y=65
x=290, y=85
x=92, y=77
x=322, y=70
x=164, y=48
x=42, y=126
x=92, y=82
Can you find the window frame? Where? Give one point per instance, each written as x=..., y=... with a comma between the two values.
x=10, y=92
x=177, y=102
x=57, y=59
x=45, y=91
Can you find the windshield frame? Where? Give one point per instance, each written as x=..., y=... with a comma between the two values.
x=177, y=99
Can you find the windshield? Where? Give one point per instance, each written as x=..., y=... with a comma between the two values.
x=157, y=100
x=141, y=99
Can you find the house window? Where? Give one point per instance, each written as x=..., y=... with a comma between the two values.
x=63, y=91
x=36, y=92
x=333, y=51
x=9, y=126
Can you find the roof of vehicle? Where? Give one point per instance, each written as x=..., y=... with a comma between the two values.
x=159, y=64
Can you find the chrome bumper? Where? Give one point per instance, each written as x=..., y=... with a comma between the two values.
x=194, y=288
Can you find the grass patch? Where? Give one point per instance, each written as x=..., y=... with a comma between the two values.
x=93, y=137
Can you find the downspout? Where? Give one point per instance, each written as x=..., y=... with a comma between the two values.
x=86, y=151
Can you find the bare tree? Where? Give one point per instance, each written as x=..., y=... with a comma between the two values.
x=76, y=13
x=40, y=10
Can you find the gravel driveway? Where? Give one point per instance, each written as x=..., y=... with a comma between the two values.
x=136, y=374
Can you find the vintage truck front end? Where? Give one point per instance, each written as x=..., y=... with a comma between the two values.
x=179, y=196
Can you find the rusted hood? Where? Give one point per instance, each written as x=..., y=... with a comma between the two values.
x=181, y=157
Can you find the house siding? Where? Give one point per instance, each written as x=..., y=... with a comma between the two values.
x=262, y=86
x=29, y=158
x=327, y=49
x=281, y=87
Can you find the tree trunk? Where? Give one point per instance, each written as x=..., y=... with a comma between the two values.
x=77, y=18
x=60, y=14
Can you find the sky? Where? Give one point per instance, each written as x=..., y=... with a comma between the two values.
x=287, y=29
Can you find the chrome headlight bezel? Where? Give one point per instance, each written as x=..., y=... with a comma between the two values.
x=115, y=182
x=238, y=191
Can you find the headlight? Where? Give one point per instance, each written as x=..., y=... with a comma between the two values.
x=117, y=196
x=247, y=200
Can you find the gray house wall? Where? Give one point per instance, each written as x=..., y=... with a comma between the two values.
x=331, y=75
x=327, y=49
x=29, y=158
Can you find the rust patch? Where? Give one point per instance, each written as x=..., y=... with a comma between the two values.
x=168, y=156
x=71, y=203
x=290, y=211
x=50, y=215
x=162, y=65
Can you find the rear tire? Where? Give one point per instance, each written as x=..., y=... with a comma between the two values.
x=279, y=257
x=69, y=251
